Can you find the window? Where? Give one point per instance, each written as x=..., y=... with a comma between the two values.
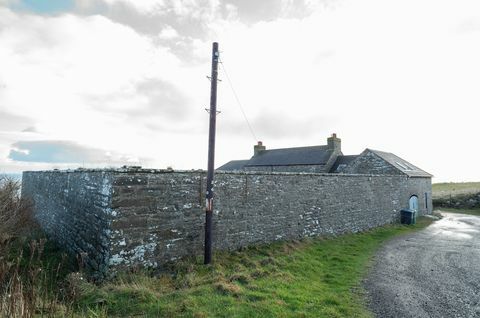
x=404, y=166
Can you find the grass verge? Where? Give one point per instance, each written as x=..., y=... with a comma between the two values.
x=308, y=278
x=461, y=211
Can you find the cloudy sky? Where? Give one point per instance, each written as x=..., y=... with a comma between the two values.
x=111, y=82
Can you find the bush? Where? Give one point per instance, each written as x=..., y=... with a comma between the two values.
x=27, y=275
x=15, y=213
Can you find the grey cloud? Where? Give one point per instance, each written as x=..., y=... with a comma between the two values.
x=280, y=125
x=188, y=26
x=30, y=129
x=251, y=11
x=323, y=55
x=57, y=151
x=193, y=23
x=152, y=23
x=469, y=26
x=164, y=98
x=11, y=122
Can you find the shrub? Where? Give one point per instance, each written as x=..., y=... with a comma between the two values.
x=15, y=213
x=26, y=274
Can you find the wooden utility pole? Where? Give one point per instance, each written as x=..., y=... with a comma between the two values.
x=211, y=155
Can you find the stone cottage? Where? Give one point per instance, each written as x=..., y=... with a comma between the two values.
x=300, y=159
x=324, y=159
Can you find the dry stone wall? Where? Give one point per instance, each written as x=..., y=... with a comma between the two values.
x=463, y=200
x=122, y=218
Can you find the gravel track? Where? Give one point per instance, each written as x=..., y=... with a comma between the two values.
x=431, y=273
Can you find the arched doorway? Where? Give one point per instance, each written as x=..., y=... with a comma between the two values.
x=413, y=203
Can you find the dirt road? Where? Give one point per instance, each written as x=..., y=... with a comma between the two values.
x=431, y=273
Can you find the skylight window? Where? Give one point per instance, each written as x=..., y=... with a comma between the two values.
x=403, y=166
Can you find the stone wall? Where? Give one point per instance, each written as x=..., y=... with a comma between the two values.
x=74, y=208
x=148, y=217
x=462, y=200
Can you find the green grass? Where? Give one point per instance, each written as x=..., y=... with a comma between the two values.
x=461, y=211
x=454, y=188
x=308, y=278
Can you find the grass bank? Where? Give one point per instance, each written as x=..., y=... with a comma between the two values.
x=309, y=278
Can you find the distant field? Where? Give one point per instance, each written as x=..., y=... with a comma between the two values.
x=442, y=190
x=461, y=211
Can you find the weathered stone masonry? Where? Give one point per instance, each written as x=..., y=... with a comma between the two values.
x=148, y=217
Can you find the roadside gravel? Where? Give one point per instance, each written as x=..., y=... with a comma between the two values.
x=431, y=273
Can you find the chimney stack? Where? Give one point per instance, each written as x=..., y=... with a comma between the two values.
x=258, y=148
x=334, y=143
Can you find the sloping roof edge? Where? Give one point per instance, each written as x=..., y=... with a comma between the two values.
x=233, y=165
x=397, y=163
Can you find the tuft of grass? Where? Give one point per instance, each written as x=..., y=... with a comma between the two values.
x=309, y=278
x=228, y=288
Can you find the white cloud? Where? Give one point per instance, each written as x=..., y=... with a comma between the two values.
x=399, y=78
x=396, y=76
x=83, y=79
x=168, y=33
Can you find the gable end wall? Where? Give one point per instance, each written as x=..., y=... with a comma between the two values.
x=368, y=162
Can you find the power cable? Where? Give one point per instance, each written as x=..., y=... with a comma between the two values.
x=238, y=102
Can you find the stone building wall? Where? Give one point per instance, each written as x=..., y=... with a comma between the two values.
x=368, y=162
x=289, y=168
x=148, y=217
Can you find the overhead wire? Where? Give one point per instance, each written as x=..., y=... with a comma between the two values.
x=239, y=104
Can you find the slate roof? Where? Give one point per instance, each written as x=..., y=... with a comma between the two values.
x=233, y=165
x=342, y=162
x=401, y=164
x=314, y=155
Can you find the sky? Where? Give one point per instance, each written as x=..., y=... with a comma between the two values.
x=106, y=83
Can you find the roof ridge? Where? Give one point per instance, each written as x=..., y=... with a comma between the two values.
x=304, y=147
x=380, y=151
